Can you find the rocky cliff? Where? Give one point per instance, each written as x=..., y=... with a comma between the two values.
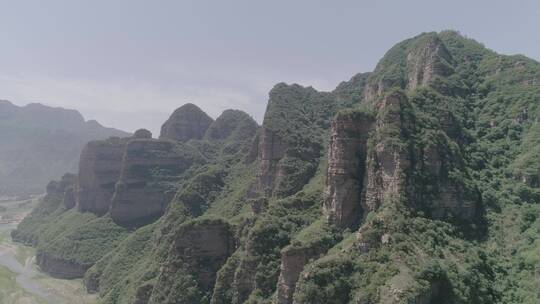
x=145, y=185
x=414, y=183
x=99, y=170
x=199, y=248
x=187, y=122
x=347, y=154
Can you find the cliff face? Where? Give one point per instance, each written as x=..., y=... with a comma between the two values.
x=146, y=183
x=410, y=64
x=291, y=142
x=376, y=192
x=346, y=171
x=429, y=60
x=199, y=249
x=99, y=170
x=187, y=122
x=390, y=158
x=271, y=151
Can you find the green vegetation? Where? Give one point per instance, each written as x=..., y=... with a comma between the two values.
x=459, y=224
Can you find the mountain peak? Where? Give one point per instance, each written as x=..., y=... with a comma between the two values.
x=185, y=123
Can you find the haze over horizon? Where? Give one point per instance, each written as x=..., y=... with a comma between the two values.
x=129, y=64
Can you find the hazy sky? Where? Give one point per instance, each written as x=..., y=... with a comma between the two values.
x=130, y=63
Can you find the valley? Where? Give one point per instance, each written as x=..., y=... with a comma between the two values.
x=21, y=282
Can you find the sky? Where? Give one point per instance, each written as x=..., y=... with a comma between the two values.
x=130, y=63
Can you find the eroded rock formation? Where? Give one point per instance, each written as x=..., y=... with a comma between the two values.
x=293, y=261
x=187, y=122
x=346, y=167
x=427, y=61
x=235, y=125
x=99, y=170
x=271, y=151
x=199, y=249
x=146, y=182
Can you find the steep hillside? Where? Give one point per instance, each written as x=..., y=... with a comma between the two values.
x=415, y=183
x=41, y=143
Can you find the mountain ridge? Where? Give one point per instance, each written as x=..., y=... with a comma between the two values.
x=414, y=183
x=41, y=143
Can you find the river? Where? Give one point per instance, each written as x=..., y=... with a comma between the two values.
x=21, y=282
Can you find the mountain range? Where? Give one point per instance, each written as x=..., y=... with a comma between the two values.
x=418, y=182
x=40, y=143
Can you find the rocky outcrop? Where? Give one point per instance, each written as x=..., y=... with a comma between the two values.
x=57, y=189
x=60, y=268
x=70, y=198
x=358, y=180
x=99, y=170
x=234, y=125
x=291, y=141
x=199, y=249
x=206, y=245
x=293, y=261
x=146, y=183
x=244, y=280
x=142, y=133
x=414, y=63
x=427, y=61
x=389, y=160
x=271, y=151
x=346, y=167
x=187, y=122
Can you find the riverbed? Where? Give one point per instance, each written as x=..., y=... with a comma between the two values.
x=21, y=281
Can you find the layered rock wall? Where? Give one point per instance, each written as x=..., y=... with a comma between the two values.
x=143, y=192
x=346, y=167
x=99, y=170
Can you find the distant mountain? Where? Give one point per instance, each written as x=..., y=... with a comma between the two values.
x=40, y=143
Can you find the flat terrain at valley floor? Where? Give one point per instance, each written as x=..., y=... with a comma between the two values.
x=21, y=282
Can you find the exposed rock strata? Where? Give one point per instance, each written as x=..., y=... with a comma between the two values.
x=425, y=60
x=271, y=151
x=428, y=61
x=390, y=158
x=346, y=167
x=293, y=261
x=99, y=170
x=142, y=192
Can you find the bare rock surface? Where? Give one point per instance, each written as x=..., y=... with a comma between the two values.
x=99, y=170
x=142, y=192
x=346, y=167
